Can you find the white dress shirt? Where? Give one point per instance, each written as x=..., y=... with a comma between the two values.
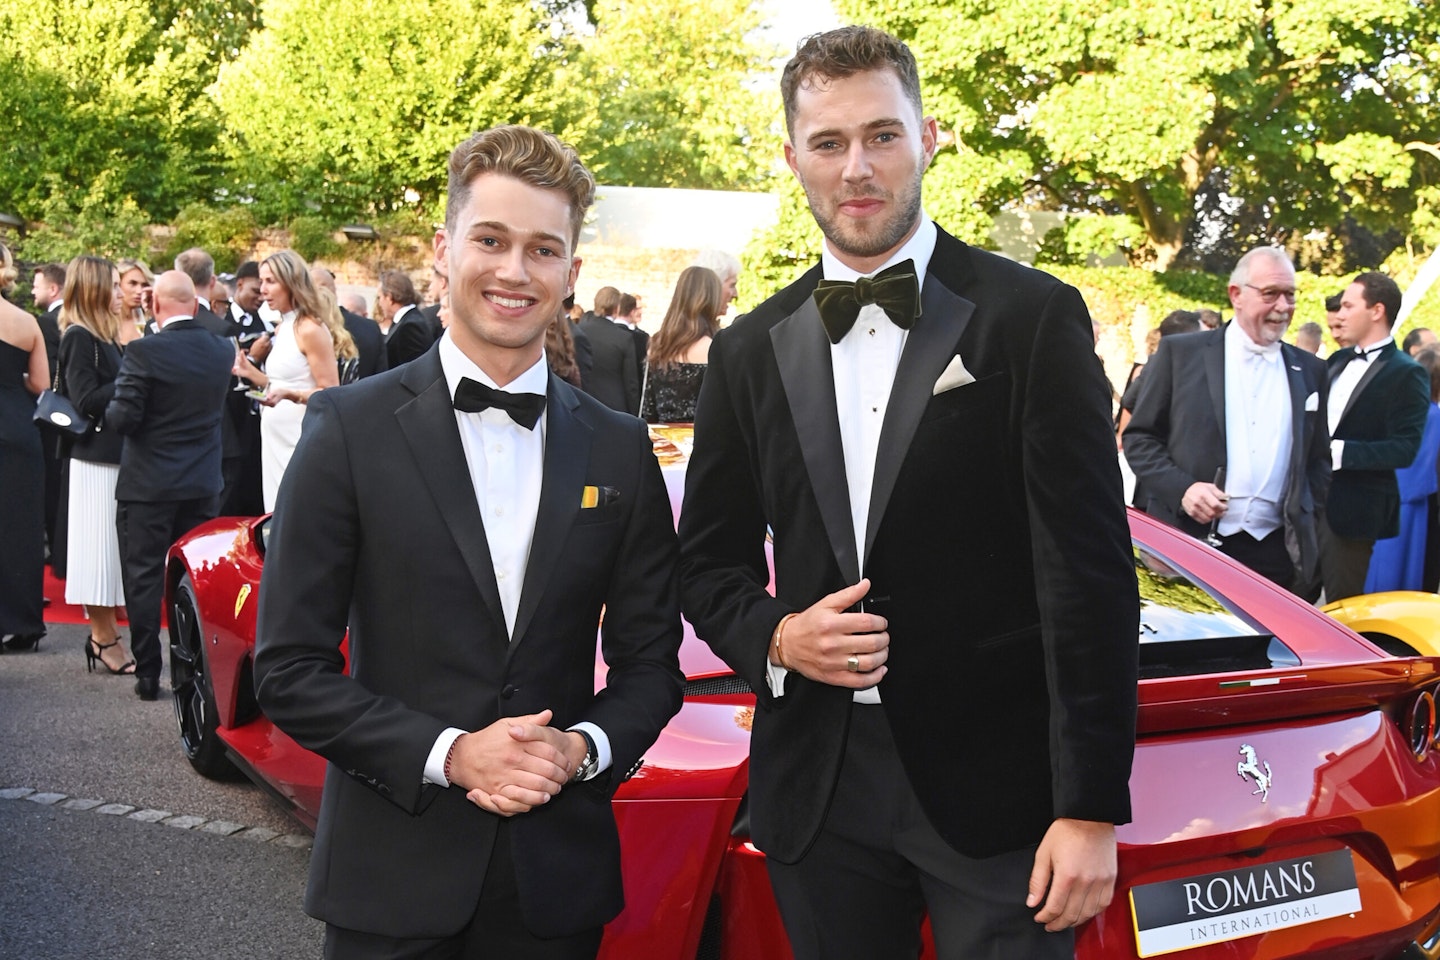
x=1258, y=435
x=506, y=464
x=1342, y=388
x=863, y=365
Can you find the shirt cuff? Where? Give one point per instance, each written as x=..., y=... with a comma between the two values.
x=435, y=763
x=1337, y=453
x=602, y=745
x=775, y=677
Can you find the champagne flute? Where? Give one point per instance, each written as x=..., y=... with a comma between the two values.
x=1214, y=536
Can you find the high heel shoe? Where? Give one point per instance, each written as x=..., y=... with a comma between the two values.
x=94, y=653
x=24, y=641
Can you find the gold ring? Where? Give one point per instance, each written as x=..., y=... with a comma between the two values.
x=853, y=663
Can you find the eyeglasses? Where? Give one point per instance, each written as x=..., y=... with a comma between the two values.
x=1271, y=294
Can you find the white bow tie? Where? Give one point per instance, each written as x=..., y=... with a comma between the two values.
x=1254, y=351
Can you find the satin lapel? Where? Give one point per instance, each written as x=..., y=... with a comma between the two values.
x=1298, y=393
x=567, y=455
x=1364, y=382
x=428, y=423
x=1214, y=359
x=929, y=348
x=803, y=355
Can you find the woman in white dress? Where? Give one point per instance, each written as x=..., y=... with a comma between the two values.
x=310, y=336
x=90, y=321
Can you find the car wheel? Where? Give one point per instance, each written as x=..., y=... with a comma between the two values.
x=194, y=696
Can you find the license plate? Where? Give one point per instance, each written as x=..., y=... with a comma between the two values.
x=1231, y=904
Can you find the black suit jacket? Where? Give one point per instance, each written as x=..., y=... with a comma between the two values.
x=997, y=548
x=414, y=582
x=369, y=341
x=1381, y=426
x=50, y=332
x=584, y=354
x=614, y=375
x=169, y=403
x=414, y=333
x=1176, y=437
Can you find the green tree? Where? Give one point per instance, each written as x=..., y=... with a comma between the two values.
x=1273, y=118
x=664, y=94
x=355, y=107
x=112, y=87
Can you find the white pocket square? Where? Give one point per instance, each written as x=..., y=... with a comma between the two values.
x=955, y=375
x=1312, y=403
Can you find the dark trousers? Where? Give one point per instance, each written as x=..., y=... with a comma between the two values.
x=146, y=530
x=1344, y=563
x=1267, y=557
x=495, y=932
x=863, y=888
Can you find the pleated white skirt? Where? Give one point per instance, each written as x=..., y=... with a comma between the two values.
x=92, y=560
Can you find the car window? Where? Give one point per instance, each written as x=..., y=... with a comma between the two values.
x=1188, y=629
x=262, y=533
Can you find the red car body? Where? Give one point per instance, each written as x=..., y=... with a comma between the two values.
x=1236, y=674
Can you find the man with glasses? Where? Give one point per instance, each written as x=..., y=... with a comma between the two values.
x=1228, y=440
x=1377, y=407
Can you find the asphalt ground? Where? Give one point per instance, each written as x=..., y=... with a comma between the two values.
x=111, y=846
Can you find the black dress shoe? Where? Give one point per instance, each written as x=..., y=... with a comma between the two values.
x=147, y=688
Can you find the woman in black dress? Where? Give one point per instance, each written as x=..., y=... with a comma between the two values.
x=24, y=373
x=676, y=360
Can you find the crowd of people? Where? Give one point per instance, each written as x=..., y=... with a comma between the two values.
x=292, y=336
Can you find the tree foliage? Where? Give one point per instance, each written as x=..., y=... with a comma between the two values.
x=1273, y=118
x=664, y=95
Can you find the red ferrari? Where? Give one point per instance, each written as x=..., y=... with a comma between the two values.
x=1286, y=782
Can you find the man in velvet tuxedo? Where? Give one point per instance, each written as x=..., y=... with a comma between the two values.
x=168, y=404
x=1239, y=398
x=467, y=802
x=945, y=676
x=1378, y=401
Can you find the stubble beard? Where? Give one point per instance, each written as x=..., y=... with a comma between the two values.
x=885, y=236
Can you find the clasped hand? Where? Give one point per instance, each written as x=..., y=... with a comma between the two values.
x=820, y=641
x=1204, y=502
x=516, y=763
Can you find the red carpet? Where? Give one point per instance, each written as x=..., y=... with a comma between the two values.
x=59, y=611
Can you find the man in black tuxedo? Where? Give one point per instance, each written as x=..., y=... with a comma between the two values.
x=46, y=287
x=243, y=493
x=168, y=403
x=466, y=807
x=946, y=675
x=614, y=374
x=1378, y=402
x=628, y=315
x=411, y=332
x=1241, y=400
x=199, y=266
x=366, y=332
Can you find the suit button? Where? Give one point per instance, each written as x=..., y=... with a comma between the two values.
x=507, y=691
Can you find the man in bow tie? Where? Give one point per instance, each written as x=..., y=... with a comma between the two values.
x=1228, y=437
x=1379, y=398
x=466, y=808
x=945, y=676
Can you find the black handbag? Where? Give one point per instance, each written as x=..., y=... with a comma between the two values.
x=55, y=412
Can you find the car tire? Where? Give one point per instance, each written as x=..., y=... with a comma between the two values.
x=194, y=695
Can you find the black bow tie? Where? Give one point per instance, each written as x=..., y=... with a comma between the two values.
x=472, y=396
x=1361, y=353
x=894, y=290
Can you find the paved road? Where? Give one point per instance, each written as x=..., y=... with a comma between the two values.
x=194, y=869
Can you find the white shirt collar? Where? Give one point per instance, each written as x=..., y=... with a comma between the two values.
x=920, y=247
x=457, y=366
x=1371, y=349
x=1239, y=344
x=162, y=324
x=402, y=311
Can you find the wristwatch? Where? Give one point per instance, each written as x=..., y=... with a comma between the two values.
x=591, y=764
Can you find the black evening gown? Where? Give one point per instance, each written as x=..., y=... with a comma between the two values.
x=671, y=393
x=22, y=490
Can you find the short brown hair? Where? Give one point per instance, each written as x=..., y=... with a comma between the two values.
x=530, y=156
x=397, y=285
x=1378, y=288
x=837, y=54
x=607, y=302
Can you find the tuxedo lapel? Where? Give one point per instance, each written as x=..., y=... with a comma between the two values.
x=1214, y=360
x=428, y=422
x=929, y=347
x=567, y=454
x=1375, y=366
x=802, y=353
x=1298, y=392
